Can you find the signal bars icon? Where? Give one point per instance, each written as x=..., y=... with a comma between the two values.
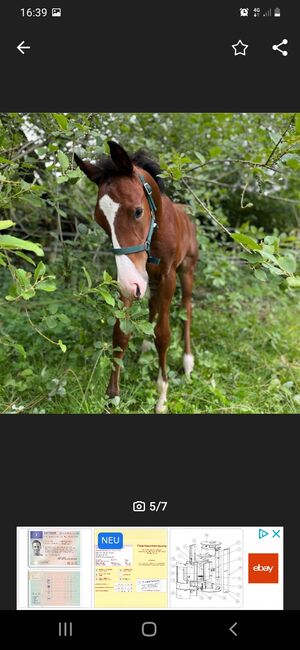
x=268, y=13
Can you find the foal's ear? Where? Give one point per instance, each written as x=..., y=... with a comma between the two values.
x=92, y=171
x=120, y=158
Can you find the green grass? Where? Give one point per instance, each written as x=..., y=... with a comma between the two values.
x=245, y=339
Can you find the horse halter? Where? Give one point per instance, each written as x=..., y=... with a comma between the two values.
x=146, y=246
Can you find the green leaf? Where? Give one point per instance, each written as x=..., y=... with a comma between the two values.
x=74, y=173
x=24, y=257
x=215, y=151
x=23, y=277
x=146, y=328
x=82, y=229
x=297, y=123
x=200, y=157
x=120, y=314
x=246, y=241
x=10, y=242
x=41, y=150
x=50, y=322
x=126, y=326
x=293, y=164
x=25, y=186
x=294, y=282
x=20, y=349
x=27, y=372
x=63, y=160
x=105, y=362
x=287, y=263
x=260, y=275
x=6, y=224
x=107, y=297
x=292, y=160
x=119, y=362
x=252, y=258
x=30, y=198
x=62, y=346
x=267, y=255
x=273, y=269
x=271, y=240
x=39, y=271
x=106, y=277
x=53, y=308
x=61, y=120
x=64, y=319
x=29, y=293
x=62, y=179
x=46, y=285
x=88, y=277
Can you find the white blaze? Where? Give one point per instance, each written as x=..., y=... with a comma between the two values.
x=128, y=275
x=110, y=209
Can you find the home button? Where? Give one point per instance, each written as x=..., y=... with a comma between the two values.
x=149, y=628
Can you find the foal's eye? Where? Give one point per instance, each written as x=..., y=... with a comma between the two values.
x=138, y=212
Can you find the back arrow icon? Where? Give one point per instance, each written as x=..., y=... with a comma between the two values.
x=231, y=629
x=22, y=47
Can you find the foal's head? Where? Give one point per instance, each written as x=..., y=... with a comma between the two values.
x=123, y=212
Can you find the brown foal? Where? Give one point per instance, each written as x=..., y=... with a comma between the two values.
x=123, y=210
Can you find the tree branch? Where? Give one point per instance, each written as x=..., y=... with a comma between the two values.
x=280, y=139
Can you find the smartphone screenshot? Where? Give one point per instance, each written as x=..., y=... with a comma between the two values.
x=150, y=321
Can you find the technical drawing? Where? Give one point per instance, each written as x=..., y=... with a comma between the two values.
x=207, y=568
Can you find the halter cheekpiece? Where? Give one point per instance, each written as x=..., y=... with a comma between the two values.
x=153, y=225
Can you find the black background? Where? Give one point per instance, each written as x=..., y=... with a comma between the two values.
x=86, y=470
x=149, y=56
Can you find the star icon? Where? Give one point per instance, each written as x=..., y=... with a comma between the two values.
x=240, y=48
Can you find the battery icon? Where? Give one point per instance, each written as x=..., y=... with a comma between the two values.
x=277, y=13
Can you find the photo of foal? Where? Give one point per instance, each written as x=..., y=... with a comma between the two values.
x=152, y=240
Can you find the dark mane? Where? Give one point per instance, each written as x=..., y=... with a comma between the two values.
x=141, y=158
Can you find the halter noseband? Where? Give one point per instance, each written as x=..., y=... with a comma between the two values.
x=146, y=246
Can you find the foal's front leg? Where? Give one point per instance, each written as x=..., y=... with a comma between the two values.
x=162, y=336
x=120, y=340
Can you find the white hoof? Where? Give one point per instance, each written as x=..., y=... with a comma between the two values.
x=161, y=408
x=188, y=363
x=146, y=346
x=162, y=387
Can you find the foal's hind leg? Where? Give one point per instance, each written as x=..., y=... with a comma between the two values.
x=186, y=279
x=162, y=336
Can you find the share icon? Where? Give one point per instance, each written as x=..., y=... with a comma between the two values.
x=277, y=47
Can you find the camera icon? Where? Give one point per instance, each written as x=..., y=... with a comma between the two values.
x=139, y=506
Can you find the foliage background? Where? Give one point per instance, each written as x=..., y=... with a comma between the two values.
x=239, y=174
